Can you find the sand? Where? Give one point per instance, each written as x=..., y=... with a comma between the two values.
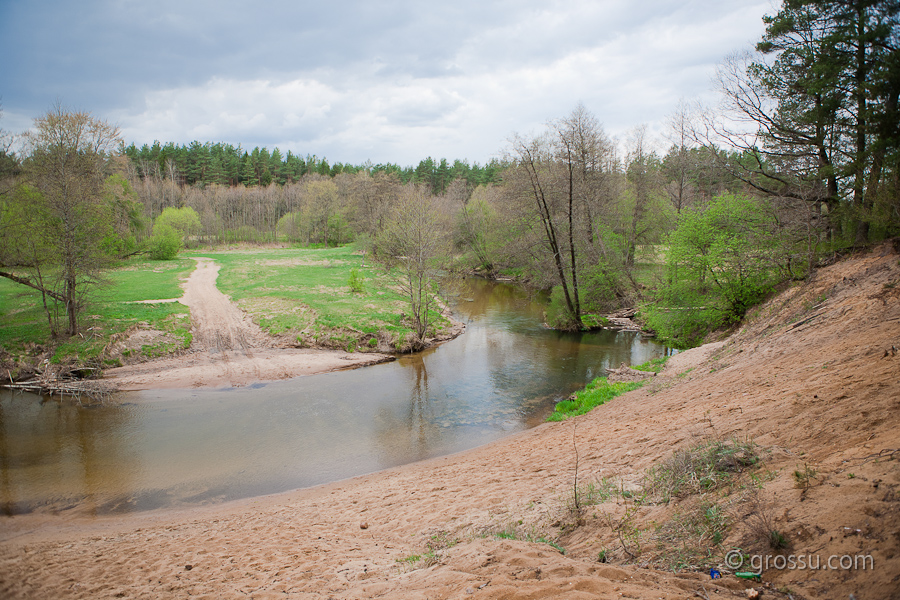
x=813, y=378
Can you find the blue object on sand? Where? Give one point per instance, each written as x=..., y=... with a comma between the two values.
x=715, y=574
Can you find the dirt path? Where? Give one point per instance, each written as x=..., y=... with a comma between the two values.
x=218, y=325
x=228, y=349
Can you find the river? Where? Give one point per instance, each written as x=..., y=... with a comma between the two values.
x=175, y=448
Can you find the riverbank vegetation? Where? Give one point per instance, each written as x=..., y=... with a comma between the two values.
x=601, y=391
x=800, y=163
x=128, y=303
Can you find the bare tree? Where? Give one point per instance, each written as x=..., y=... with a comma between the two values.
x=681, y=135
x=413, y=245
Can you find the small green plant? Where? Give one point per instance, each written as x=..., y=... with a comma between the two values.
x=419, y=561
x=598, y=492
x=355, y=281
x=851, y=476
x=411, y=559
x=601, y=556
x=543, y=540
x=803, y=477
x=761, y=517
x=777, y=541
x=626, y=531
x=441, y=541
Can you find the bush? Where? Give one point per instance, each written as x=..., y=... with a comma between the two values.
x=166, y=243
x=704, y=467
x=355, y=281
x=185, y=221
x=723, y=259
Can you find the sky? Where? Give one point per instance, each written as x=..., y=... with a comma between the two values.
x=390, y=81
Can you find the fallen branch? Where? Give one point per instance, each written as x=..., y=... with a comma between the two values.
x=887, y=452
x=94, y=390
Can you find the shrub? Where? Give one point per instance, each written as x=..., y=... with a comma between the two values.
x=701, y=468
x=355, y=281
x=723, y=259
x=185, y=221
x=166, y=242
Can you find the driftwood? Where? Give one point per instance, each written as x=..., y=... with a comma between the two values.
x=77, y=388
x=61, y=382
x=625, y=313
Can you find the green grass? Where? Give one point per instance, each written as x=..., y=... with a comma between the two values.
x=594, y=321
x=596, y=393
x=600, y=391
x=654, y=365
x=24, y=330
x=306, y=294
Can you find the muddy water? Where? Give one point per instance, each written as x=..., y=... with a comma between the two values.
x=174, y=448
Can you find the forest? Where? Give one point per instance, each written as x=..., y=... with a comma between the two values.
x=800, y=162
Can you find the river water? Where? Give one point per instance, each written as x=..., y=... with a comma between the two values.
x=174, y=448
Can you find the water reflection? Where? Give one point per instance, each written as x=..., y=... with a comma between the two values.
x=186, y=447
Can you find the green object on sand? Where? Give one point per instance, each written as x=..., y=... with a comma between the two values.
x=751, y=576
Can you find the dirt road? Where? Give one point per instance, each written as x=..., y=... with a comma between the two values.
x=218, y=325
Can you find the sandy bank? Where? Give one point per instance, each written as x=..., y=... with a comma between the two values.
x=235, y=369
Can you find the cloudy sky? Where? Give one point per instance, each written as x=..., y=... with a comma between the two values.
x=356, y=80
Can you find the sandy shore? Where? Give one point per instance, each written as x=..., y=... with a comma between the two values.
x=812, y=382
x=235, y=368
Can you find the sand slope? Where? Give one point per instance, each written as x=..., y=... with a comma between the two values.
x=811, y=378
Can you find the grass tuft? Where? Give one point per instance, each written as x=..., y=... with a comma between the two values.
x=596, y=393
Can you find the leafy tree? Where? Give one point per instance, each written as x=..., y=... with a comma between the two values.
x=184, y=220
x=64, y=209
x=823, y=96
x=562, y=175
x=722, y=259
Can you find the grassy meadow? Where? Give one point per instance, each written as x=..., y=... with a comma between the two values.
x=305, y=295
x=302, y=295
x=111, y=311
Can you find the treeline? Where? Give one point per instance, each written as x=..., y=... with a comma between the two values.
x=205, y=164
